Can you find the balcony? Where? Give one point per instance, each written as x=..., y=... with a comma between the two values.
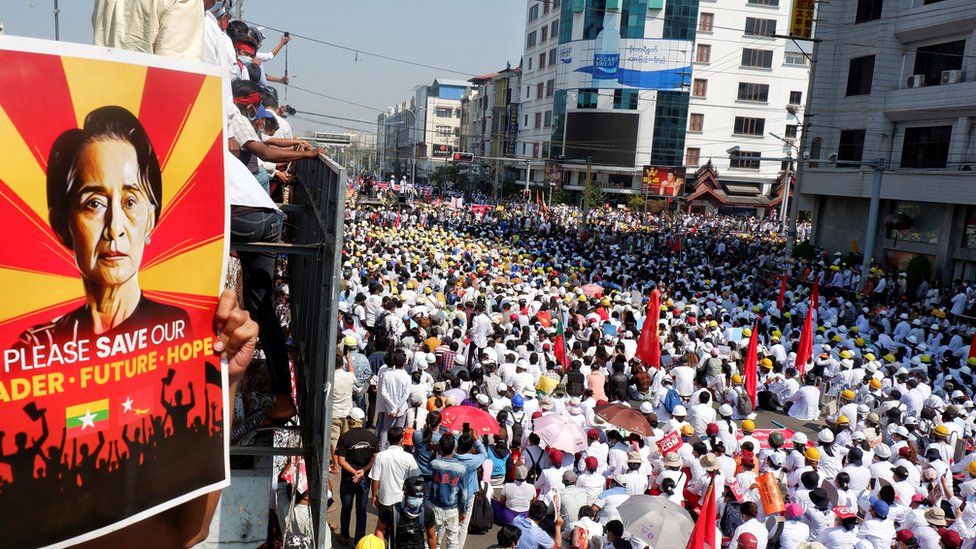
x=930, y=102
x=935, y=20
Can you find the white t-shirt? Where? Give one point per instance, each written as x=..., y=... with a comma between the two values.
x=391, y=468
x=242, y=187
x=342, y=393
x=518, y=495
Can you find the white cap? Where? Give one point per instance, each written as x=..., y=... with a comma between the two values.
x=501, y=388
x=725, y=410
x=646, y=407
x=882, y=450
x=679, y=410
x=484, y=399
x=357, y=414
x=825, y=436
x=800, y=438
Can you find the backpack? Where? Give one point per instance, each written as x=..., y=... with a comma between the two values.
x=482, y=515
x=517, y=430
x=575, y=383
x=745, y=403
x=671, y=400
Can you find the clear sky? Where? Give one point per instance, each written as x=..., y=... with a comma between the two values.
x=471, y=36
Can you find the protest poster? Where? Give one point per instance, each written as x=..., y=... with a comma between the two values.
x=669, y=443
x=112, y=193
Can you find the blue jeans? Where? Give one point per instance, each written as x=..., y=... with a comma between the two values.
x=348, y=492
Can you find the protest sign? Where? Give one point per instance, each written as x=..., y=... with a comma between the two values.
x=112, y=193
x=669, y=443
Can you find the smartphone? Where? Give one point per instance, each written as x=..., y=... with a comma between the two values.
x=287, y=34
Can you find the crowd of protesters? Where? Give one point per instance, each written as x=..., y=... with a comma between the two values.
x=534, y=317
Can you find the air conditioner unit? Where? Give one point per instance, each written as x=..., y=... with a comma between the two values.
x=952, y=77
x=916, y=81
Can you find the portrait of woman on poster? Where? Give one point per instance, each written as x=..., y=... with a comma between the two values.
x=104, y=196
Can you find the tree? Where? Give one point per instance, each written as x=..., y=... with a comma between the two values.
x=596, y=198
x=446, y=176
x=636, y=202
x=563, y=197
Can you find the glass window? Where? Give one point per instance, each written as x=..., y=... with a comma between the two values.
x=850, y=147
x=442, y=112
x=633, y=15
x=791, y=131
x=593, y=18
x=868, y=10
x=794, y=58
x=749, y=91
x=548, y=119
x=763, y=2
x=534, y=12
x=443, y=130
x=932, y=60
x=860, y=74
x=969, y=235
x=545, y=6
x=625, y=99
x=587, y=99
x=796, y=97
x=703, y=53
x=747, y=160
x=539, y=90
x=696, y=121
x=538, y=120
x=544, y=33
x=757, y=58
x=926, y=222
x=760, y=27
x=926, y=147
x=692, y=155
x=699, y=87
x=530, y=63
x=542, y=60
x=550, y=84
x=552, y=57
x=554, y=29
x=705, y=22
x=530, y=40
x=749, y=126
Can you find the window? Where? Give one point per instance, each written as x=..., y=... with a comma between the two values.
x=696, y=121
x=550, y=84
x=791, y=131
x=851, y=146
x=530, y=40
x=534, y=12
x=772, y=3
x=552, y=57
x=528, y=92
x=554, y=29
x=530, y=63
x=542, y=60
x=587, y=99
x=932, y=60
x=441, y=112
x=526, y=123
x=760, y=27
x=815, y=146
x=545, y=6
x=699, y=87
x=926, y=222
x=692, y=154
x=926, y=147
x=443, y=130
x=753, y=92
x=539, y=90
x=705, y=22
x=747, y=160
x=757, y=58
x=868, y=10
x=859, y=75
x=749, y=126
x=703, y=53
x=535, y=150
x=548, y=120
x=795, y=58
x=796, y=97
x=538, y=120
x=544, y=34
x=625, y=99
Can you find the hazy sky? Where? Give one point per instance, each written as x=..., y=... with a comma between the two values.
x=471, y=36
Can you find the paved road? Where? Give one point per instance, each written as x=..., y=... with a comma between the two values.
x=763, y=421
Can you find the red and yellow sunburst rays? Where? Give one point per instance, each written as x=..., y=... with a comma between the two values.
x=45, y=95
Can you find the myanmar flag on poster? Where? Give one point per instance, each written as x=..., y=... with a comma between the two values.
x=113, y=417
x=90, y=415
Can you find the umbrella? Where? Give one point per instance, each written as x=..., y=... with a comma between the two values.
x=560, y=433
x=454, y=418
x=592, y=290
x=656, y=520
x=625, y=418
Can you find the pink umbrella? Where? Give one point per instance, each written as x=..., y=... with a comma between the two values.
x=592, y=290
x=560, y=433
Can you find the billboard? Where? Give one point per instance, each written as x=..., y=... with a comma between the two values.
x=663, y=181
x=554, y=173
x=442, y=151
x=636, y=63
x=606, y=138
x=112, y=403
x=801, y=19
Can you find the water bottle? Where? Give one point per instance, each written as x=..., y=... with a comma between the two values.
x=606, y=53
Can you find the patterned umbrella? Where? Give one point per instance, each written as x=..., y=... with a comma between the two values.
x=560, y=433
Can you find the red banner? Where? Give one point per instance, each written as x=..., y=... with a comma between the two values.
x=112, y=195
x=669, y=443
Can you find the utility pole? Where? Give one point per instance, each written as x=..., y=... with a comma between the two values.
x=528, y=178
x=57, y=16
x=586, y=189
x=879, y=167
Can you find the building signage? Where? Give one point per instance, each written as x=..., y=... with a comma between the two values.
x=663, y=181
x=801, y=19
x=442, y=151
x=553, y=173
x=644, y=63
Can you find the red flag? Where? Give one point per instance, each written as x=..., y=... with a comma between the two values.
x=972, y=347
x=560, y=346
x=751, y=366
x=805, y=349
x=782, y=292
x=649, y=344
x=703, y=536
x=676, y=246
x=815, y=294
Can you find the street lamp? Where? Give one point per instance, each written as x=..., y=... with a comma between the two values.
x=878, y=165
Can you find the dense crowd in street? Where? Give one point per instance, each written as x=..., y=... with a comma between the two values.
x=491, y=370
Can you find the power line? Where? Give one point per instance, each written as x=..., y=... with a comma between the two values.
x=346, y=101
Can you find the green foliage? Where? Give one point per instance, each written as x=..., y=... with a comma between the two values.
x=596, y=198
x=804, y=250
x=636, y=202
x=919, y=268
x=563, y=197
x=447, y=176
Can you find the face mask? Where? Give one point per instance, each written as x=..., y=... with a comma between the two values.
x=245, y=58
x=412, y=504
x=217, y=9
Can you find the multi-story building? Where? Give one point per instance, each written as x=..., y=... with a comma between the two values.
x=895, y=81
x=424, y=131
x=490, y=125
x=538, y=84
x=748, y=85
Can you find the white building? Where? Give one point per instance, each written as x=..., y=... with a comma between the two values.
x=537, y=89
x=895, y=81
x=744, y=79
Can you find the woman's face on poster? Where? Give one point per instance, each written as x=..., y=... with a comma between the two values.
x=110, y=214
